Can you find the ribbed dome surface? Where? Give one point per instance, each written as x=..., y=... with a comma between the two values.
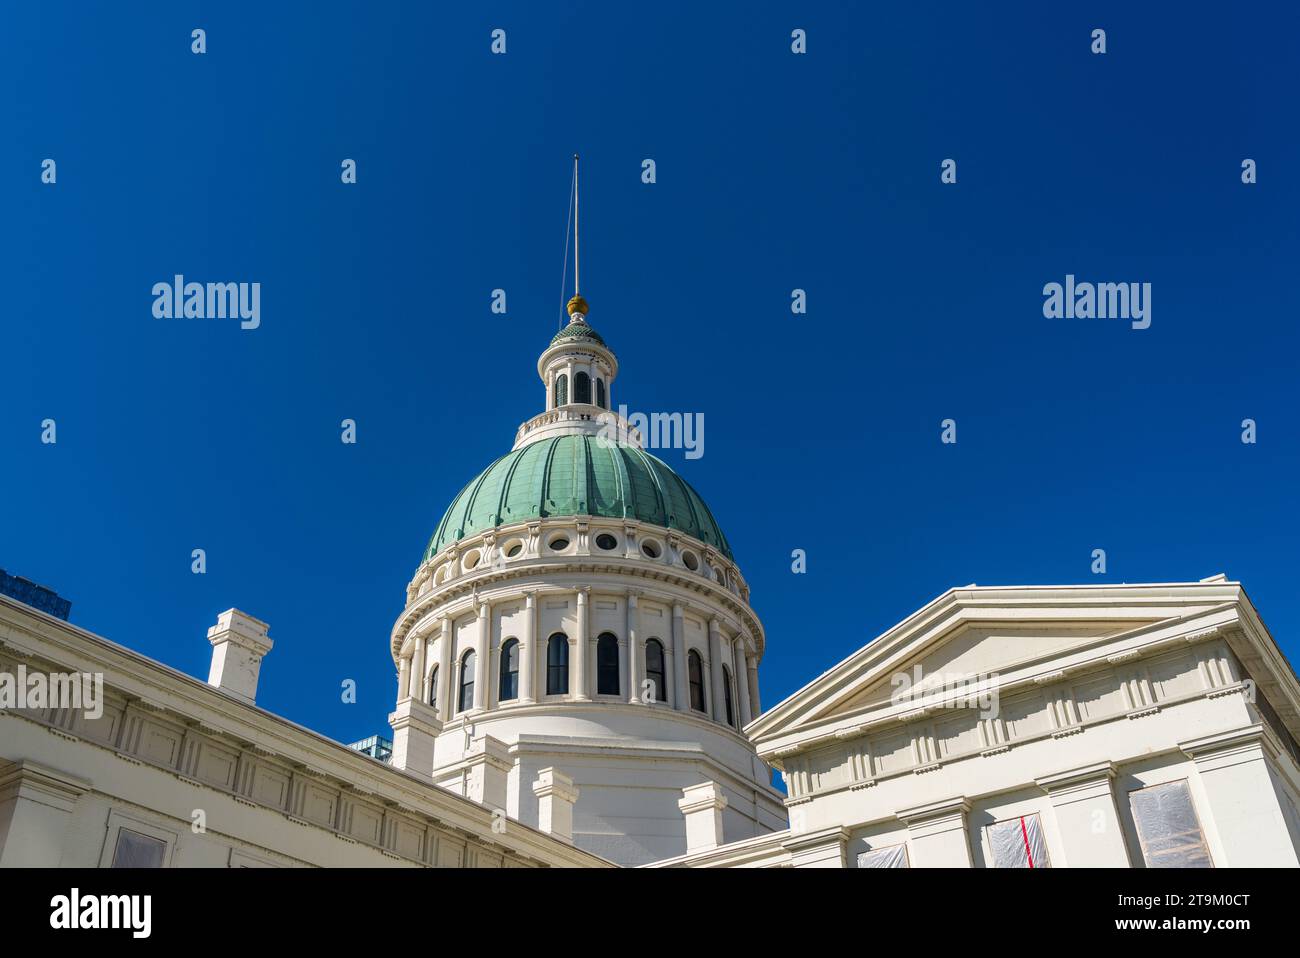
x=577, y=476
x=577, y=332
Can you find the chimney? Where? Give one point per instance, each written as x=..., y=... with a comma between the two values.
x=555, y=797
x=702, y=807
x=238, y=643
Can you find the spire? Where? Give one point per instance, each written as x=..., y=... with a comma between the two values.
x=577, y=307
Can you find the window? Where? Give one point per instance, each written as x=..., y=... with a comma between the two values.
x=557, y=664
x=467, y=663
x=433, y=687
x=1018, y=843
x=509, y=670
x=600, y=393
x=558, y=544
x=561, y=389
x=606, y=541
x=606, y=664
x=134, y=850
x=654, y=670
x=695, y=671
x=726, y=695
x=582, y=388
x=650, y=548
x=891, y=856
x=1167, y=827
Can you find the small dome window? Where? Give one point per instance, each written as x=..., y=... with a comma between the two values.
x=514, y=548
x=651, y=549
x=607, y=542
x=559, y=543
x=690, y=561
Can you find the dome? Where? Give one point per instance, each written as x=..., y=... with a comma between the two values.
x=577, y=332
x=577, y=475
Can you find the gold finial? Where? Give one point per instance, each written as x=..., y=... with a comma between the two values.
x=577, y=307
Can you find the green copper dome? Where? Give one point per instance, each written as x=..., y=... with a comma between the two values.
x=577, y=476
x=577, y=332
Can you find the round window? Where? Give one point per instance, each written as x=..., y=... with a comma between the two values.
x=559, y=544
x=692, y=563
x=607, y=542
x=514, y=549
x=471, y=559
x=650, y=548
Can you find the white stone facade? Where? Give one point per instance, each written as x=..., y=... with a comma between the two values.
x=1116, y=711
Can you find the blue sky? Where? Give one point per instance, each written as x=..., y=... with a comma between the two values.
x=774, y=172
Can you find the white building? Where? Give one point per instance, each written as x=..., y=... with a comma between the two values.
x=1130, y=725
x=577, y=686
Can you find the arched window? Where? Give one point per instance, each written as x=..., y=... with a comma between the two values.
x=654, y=670
x=557, y=664
x=509, y=671
x=606, y=664
x=695, y=671
x=582, y=388
x=433, y=687
x=600, y=394
x=561, y=389
x=726, y=695
x=467, y=663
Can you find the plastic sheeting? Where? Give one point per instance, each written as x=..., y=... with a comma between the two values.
x=1167, y=827
x=1018, y=843
x=892, y=856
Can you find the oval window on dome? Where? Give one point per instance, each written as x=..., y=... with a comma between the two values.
x=690, y=561
x=471, y=559
x=651, y=549
x=513, y=549
x=559, y=544
x=607, y=542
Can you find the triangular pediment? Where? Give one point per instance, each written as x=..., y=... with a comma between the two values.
x=972, y=651
x=983, y=634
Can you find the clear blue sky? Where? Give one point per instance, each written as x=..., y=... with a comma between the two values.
x=775, y=171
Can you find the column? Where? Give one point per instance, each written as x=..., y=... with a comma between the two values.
x=1083, y=802
x=417, y=670
x=528, y=652
x=936, y=834
x=1245, y=812
x=742, y=680
x=681, y=700
x=482, y=649
x=448, y=687
x=754, y=702
x=633, y=652
x=717, y=677
x=404, y=678
x=578, y=667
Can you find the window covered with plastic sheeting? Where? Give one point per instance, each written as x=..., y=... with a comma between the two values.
x=1018, y=843
x=891, y=856
x=1168, y=829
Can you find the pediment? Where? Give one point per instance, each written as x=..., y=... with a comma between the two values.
x=989, y=632
x=978, y=650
